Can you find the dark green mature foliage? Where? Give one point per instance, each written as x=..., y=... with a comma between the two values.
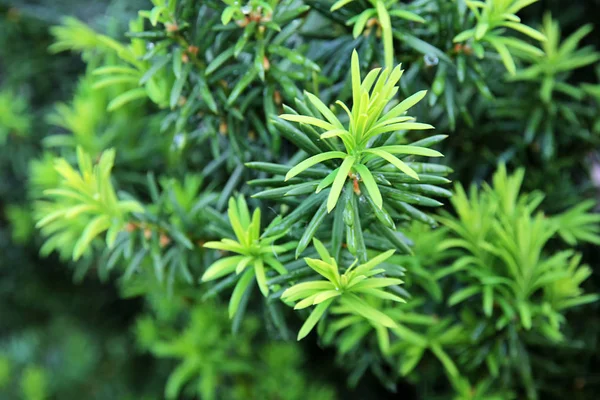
x=220, y=147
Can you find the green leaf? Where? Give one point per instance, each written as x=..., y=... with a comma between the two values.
x=363, y=309
x=386, y=28
x=370, y=184
x=339, y=4
x=155, y=14
x=411, y=358
x=127, y=97
x=488, y=300
x=239, y=291
x=356, y=90
x=404, y=106
x=507, y=59
x=206, y=95
x=407, y=15
x=338, y=183
x=394, y=161
x=115, y=69
x=278, y=169
x=323, y=268
x=380, y=213
x=242, y=84
x=333, y=133
x=305, y=289
x=218, y=61
x=327, y=181
x=236, y=224
x=577, y=301
x=316, y=159
x=356, y=233
x=156, y=66
x=324, y=110
x=261, y=277
x=313, y=318
x=178, y=87
x=322, y=250
x=464, y=35
x=225, y=246
x=115, y=80
x=326, y=295
x=381, y=294
x=525, y=313
x=462, y=295
x=177, y=62
x=360, y=21
x=221, y=267
x=372, y=263
x=414, y=150
x=94, y=228
x=227, y=15
x=311, y=228
x=481, y=29
x=423, y=47
x=374, y=283
x=180, y=375
x=445, y=360
x=532, y=33
x=243, y=264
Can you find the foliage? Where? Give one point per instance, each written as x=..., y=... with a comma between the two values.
x=254, y=253
x=13, y=118
x=381, y=11
x=84, y=205
x=492, y=16
x=218, y=365
x=506, y=265
x=366, y=127
x=297, y=110
x=351, y=290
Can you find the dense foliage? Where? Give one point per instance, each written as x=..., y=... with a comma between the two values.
x=242, y=174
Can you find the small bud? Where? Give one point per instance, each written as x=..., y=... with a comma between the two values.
x=267, y=17
x=185, y=58
x=171, y=27
x=266, y=63
x=193, y=50
x=356, y=187
x=182, y=100
x=242, y=23
x=164, y=240
x=223, y=128
x=277, y=97
x=252, y=135
x=372, y=22
x=147, y=233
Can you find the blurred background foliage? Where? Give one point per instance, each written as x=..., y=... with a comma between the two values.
x=97, y=339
